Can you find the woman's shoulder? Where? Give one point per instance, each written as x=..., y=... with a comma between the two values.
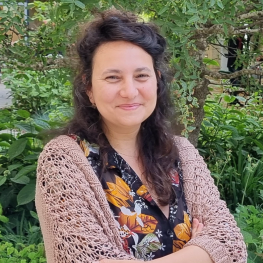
x=181, y=141
x=186, y=149
x=64, y=141
x=61, y=146
x=190, y=158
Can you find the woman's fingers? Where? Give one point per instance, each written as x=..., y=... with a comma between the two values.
x=196, y=227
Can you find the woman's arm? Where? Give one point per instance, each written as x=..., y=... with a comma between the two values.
x=72, y=219
x=220, y=238
x=189, y=254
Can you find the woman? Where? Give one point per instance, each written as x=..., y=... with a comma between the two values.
x=118, y=185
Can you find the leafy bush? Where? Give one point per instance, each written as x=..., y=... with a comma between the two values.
x=20, y=146
x=38, y=90
x=250, y=220
x=21, y=253
x=231, y=142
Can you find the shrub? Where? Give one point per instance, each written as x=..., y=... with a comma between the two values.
x=250, y=220
x=231, y=141
x=20, y=146
x=38, y=90
x=21, y=253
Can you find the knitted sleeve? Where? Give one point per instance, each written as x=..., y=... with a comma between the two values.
x=220, y=238
x=71, y=214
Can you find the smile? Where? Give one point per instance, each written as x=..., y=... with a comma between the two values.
x=132, y=106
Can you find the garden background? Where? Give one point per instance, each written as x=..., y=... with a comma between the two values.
x=223, y=120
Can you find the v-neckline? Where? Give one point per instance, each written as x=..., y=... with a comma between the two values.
x=140, y=184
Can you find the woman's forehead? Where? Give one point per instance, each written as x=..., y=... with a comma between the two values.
x=114, y=57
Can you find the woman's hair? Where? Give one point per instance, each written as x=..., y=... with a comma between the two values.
x=156, y=147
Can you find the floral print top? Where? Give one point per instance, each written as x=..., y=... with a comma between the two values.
x=146, y=232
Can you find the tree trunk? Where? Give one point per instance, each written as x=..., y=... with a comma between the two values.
x=200, y=92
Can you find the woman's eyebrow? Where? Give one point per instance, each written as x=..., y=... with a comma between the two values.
x=142, y=69
x=111, y=71
x=119, y=71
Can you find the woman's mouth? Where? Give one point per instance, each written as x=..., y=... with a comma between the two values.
x=132, y=106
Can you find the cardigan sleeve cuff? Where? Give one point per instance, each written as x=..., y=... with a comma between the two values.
x=215, y=249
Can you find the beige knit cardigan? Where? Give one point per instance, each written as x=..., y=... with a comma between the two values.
x=78, y=225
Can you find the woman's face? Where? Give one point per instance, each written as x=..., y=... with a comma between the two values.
x=124, y=85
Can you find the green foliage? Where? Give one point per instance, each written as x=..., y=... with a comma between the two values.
x=189, y=27
x=21, y=253
x=231, y=142
x=250, y=220
x=37, y=90
x=20, y=146
x=3, y=218
x=36, y=46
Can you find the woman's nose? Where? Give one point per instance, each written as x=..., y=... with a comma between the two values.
x=129, y=89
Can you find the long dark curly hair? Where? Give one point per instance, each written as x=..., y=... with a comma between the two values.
x=156, y=147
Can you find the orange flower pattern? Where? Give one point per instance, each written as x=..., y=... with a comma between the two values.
x=118, y=193
x=144, y=229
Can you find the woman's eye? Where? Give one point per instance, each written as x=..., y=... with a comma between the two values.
x=142, y=76
x=112, y=78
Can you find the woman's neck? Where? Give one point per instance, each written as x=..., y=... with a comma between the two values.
x=123, y=141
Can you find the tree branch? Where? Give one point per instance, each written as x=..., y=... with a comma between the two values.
x=218, y=29
x=254, y=15
x=218, y=75
x=248, y=31
x=251, y=25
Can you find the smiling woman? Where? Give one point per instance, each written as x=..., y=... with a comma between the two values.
x=118, y=185
x=124, y=85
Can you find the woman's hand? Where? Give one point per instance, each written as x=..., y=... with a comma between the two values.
x=196, y=228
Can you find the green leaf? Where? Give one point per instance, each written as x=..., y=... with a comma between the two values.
x=17, y=148
x=34, y=214
x=21, y=180
x=26, y=194
x=2, y=180
x=19, y=29
x=6, y=136
x=190, y=128
x=219, y=3
x=247, y=237
x=4, y=219
x=31, y=157
x=79, y=4
x=10, y=250
x=163, y=10
x=2, y=15
x=25, y=170
x=23, y=113
x=240, y=98
x=211, y=62
x=212, y=3
x=193, y=19
x=207, y=124
x=25, y=127
x=4, y=144
x=14, y=166
x=229, y=99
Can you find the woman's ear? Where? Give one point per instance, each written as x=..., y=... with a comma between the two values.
x=159, y=73
x=90, y=95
